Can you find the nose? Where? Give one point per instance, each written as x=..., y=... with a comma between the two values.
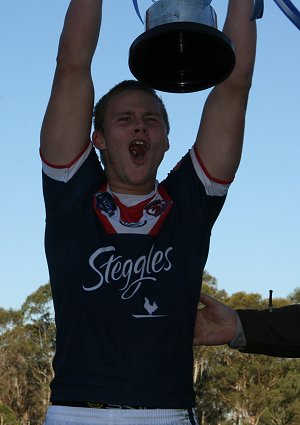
x=140, y=126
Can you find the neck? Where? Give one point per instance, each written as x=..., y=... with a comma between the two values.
x=132, y=190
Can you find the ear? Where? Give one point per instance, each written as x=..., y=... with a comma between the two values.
x=167, y=144
x=98, y=140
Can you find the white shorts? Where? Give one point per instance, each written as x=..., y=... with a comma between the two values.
x=62, y=415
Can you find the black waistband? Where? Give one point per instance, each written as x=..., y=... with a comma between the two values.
x=97, y=405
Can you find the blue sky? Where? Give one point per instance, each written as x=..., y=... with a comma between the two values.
x=255, y=244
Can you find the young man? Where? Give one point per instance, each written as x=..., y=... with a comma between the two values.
x=126, y=254
x=273, y=333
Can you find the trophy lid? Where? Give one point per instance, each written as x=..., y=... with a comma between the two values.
x=181, y=57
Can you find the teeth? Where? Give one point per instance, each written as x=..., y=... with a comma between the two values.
x=138, y=142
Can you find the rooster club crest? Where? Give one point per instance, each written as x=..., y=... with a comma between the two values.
x=150, y=307
x=157, y=207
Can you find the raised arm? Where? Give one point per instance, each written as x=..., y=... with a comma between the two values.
x=67, y=122
x=220, y=137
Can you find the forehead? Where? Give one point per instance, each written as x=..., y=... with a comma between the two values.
x=133, y=100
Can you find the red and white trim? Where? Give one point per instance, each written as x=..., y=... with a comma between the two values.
x=64, y=173
x=213, y=186
x=145, y=217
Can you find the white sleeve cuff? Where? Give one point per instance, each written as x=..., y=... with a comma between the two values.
x=239, y=341
x=212, y=188
x=65, y=173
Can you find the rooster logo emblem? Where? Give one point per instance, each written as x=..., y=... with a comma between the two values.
x=157, y=207
x=150, y=307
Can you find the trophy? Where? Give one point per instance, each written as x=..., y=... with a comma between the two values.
x=181, y=50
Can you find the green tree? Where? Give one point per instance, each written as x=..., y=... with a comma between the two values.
x=243, y=300
x=284, y=399
x=7, y=416
x=26, y=351
x=210, y=286
x=294, y=297
x=9, y=319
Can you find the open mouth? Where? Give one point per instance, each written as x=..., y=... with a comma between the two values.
x=138, y=149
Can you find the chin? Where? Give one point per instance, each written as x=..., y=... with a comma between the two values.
x=141, y=181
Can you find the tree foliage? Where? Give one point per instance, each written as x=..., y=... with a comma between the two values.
x=26, y=350
x=7, y=416
x=295, y=296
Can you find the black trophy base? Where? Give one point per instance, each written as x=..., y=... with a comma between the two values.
x=181, y=57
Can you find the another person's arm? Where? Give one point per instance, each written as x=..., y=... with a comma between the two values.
x=216, y=323
x=275, y=333
x=220, y=137
x=67, y=124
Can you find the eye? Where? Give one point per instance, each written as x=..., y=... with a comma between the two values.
x=152, y=118
x=125, y=118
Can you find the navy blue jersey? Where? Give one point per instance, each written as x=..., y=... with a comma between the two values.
x=126, y=290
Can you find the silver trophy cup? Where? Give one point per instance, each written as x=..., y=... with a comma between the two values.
x=181, y=50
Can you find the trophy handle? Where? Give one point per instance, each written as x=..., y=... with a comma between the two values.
x=136, y=7
x=290, y=10
x=286, y=6
x=258, y=10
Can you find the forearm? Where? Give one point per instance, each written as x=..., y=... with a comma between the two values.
x=67, y=123
x=242, y=31
x=220, y=137
x=273, y=333
x=80, y=33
